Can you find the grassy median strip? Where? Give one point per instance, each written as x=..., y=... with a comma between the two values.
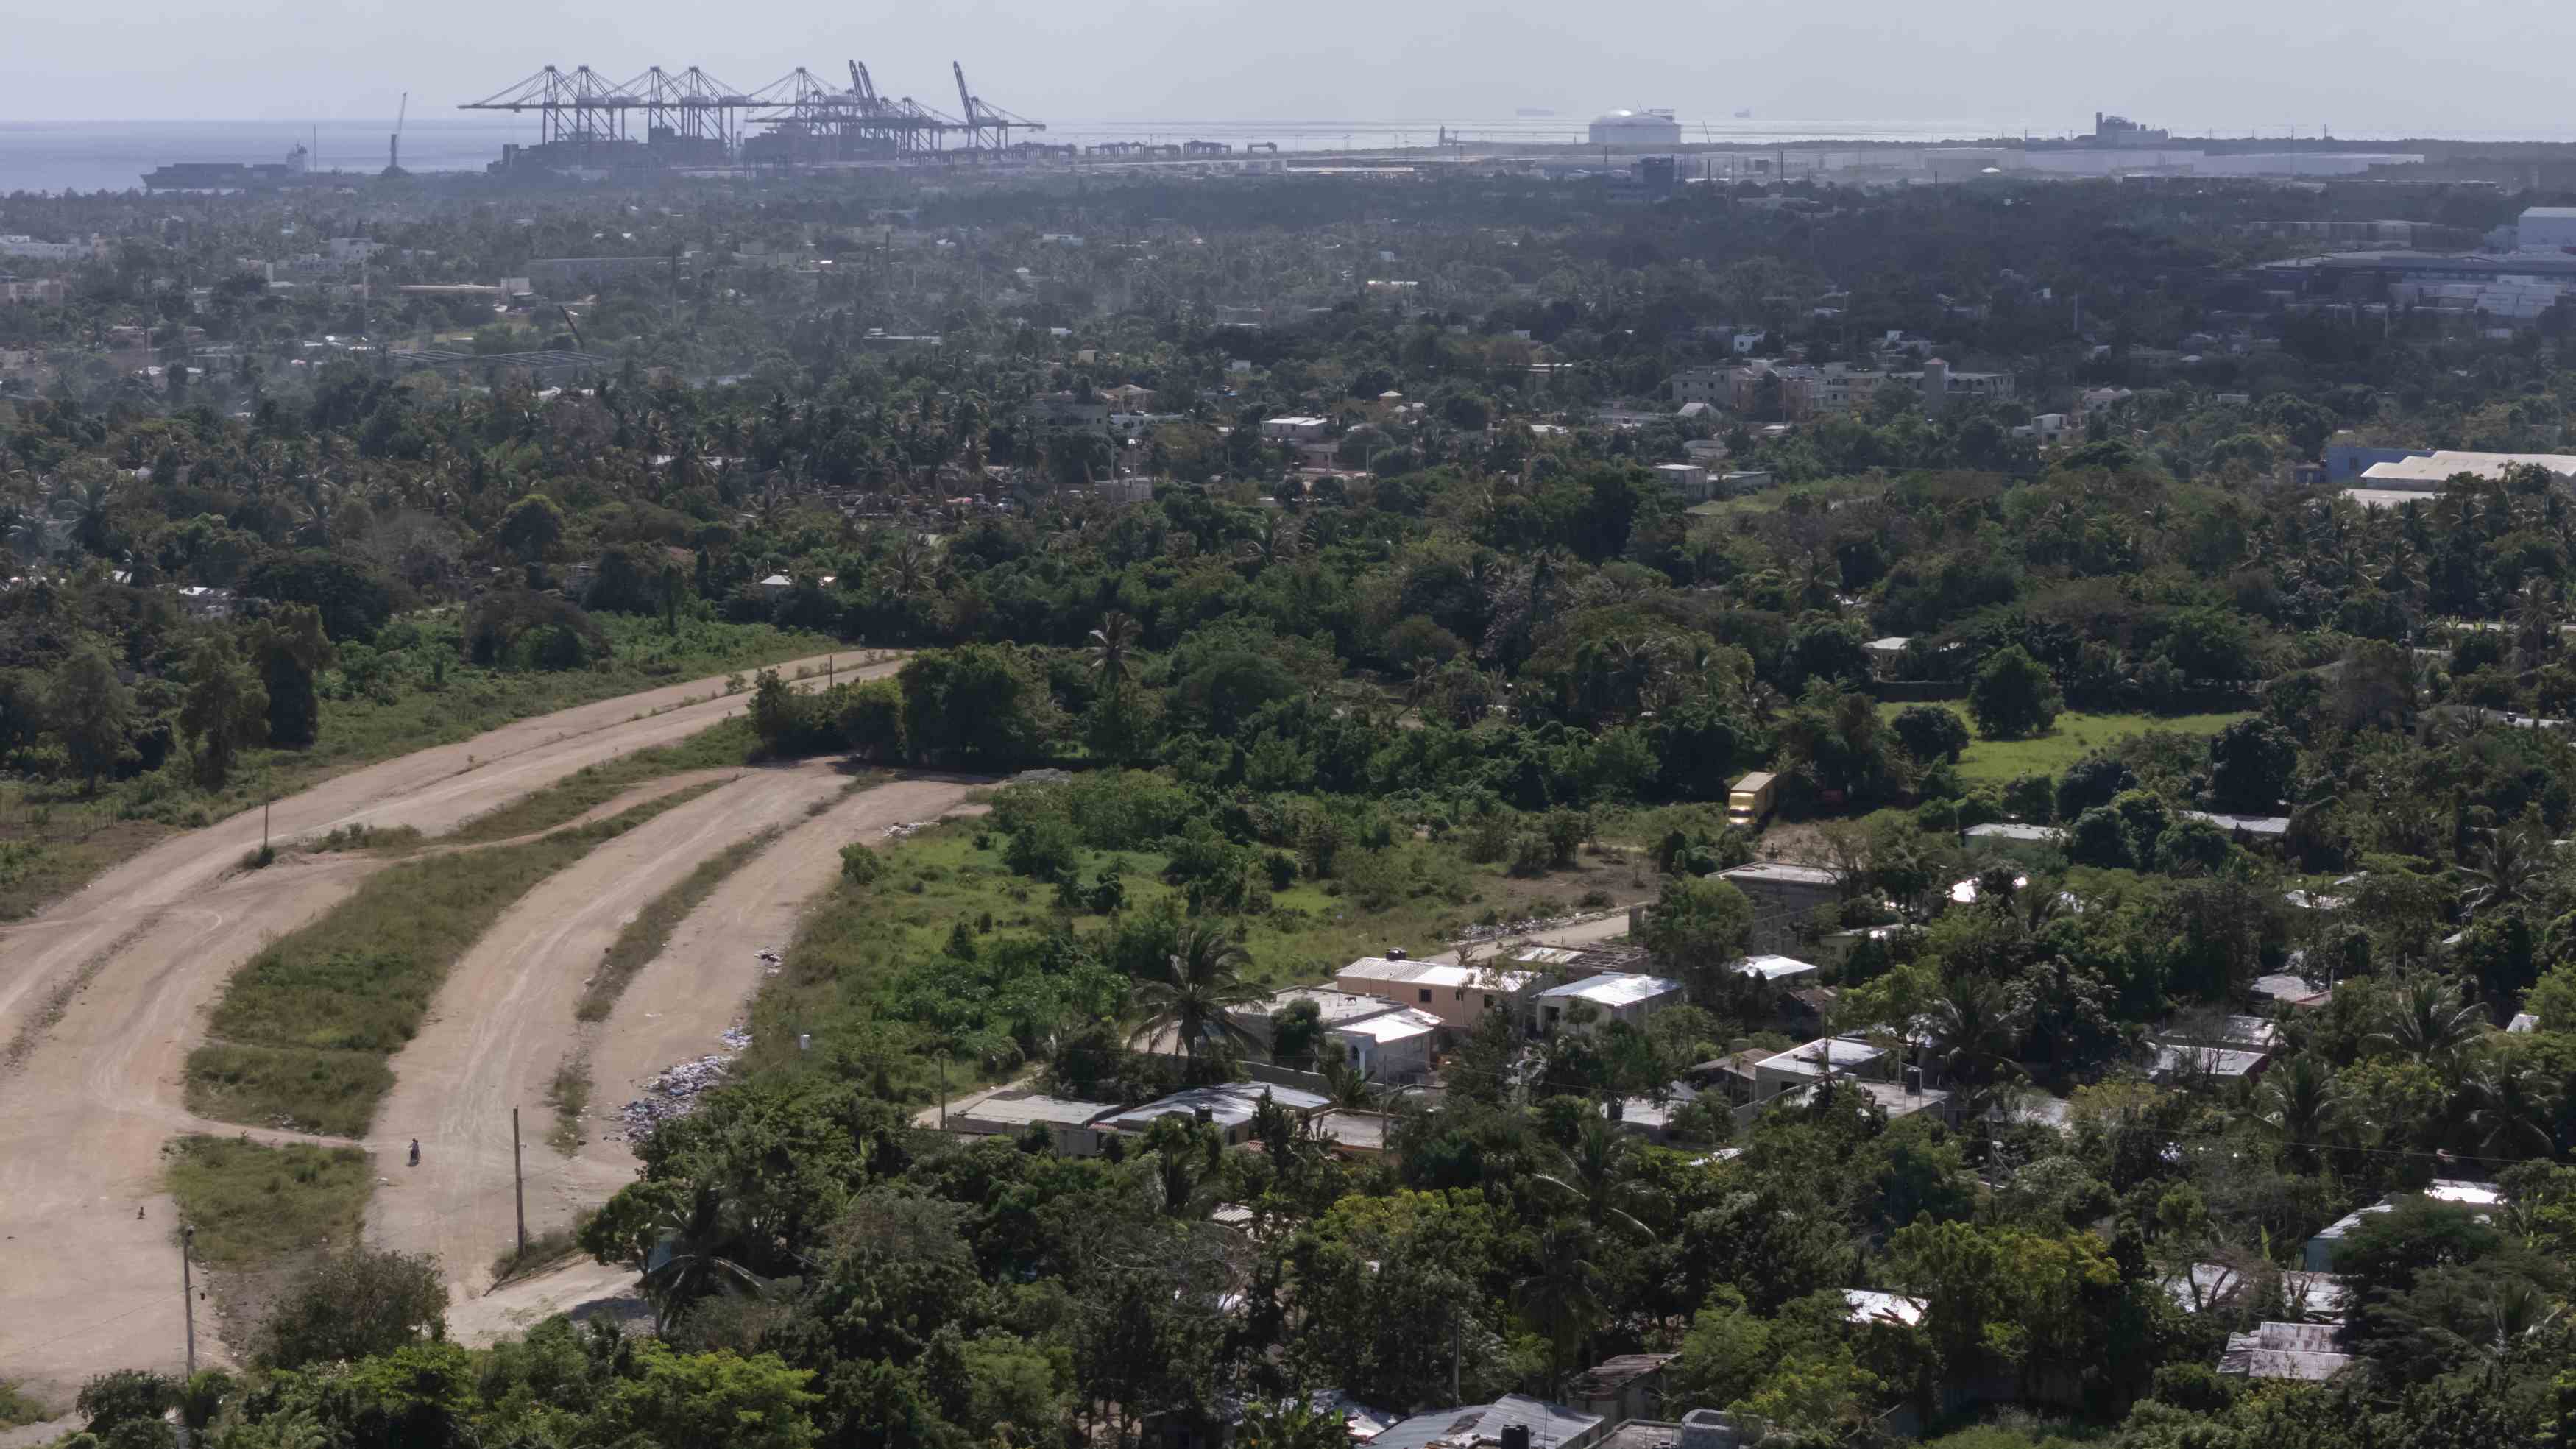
x=644, y=937
x=251, y=1202
x=720, y=746
x=305, y=1035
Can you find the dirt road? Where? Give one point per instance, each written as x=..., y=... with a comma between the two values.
x=676, y=1007
x=503, y=1023
x=102, y=996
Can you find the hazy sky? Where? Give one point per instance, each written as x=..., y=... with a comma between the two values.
x=2361, y=66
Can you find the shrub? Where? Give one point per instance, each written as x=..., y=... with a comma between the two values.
x=861, y=864
x=122, y=1396
x=353, y=1305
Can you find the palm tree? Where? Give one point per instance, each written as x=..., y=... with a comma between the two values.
x=1563, y=1298
x=1110, y=645
x=2510, y=861
x=2534, y=616
x=911, y=570
x=2301, y=1104
x=1198, y=981
x=2428, y=1021
x=694, y=1228
x=1974, y=1024
x=2510, y=1112
x=1599, y=1173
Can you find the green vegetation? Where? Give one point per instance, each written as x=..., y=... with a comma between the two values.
x=544, y=1251
x=411, y=689
x=568, y=1095
x=949, y=896
x=2076, y=734
x=303, y=1035
x=1305, y=714
x=252, y=1203
x=18, y=1407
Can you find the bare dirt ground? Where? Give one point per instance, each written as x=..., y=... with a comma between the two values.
x=103, y=994
x=503, y=1023
x=677, y=1006
x=582, y=1289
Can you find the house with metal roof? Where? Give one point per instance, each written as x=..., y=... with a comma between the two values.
x=1612, y=996
x=1458, y=995
x=1230, y=1106
x=1513, y=1418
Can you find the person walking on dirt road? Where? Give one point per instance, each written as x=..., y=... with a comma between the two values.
x=415, y=1152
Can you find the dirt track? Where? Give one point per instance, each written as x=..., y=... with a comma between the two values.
x=504, y=1022
x=102, y=996
x=675, y=1008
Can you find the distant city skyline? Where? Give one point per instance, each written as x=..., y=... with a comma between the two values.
x=2213, y=67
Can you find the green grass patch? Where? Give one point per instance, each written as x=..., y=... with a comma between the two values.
x=845, y=974
x=251, y=1202
x=304, y=1033
x=719, y=746
x=2075, y=735
x=643, y=938
x=17, y=1408
x=407, y=691
x=568, y=1093
x=543, y=1251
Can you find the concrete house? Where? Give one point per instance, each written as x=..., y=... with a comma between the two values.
x=1458, y=995
x=1613, y=995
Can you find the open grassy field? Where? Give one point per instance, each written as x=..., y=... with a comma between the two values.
x=251, y=1202
x=2076, y=735
x=409, y=691
x=840, y=971
x=304, y=1035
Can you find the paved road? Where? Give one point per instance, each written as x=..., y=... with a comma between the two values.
x=103, y=995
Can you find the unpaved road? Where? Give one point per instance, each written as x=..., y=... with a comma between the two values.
x=503, y=1023
x=676, y=1007
x=105, y=994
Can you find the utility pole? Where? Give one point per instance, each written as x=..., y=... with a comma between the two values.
x=519, y=1181
x=265, y=801
x=188, y=1293
x=943, y=1091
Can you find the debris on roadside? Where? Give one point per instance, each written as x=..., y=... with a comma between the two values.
x=674, y=1091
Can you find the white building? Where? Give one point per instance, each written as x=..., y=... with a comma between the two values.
x=1779, y=970
x=1613, y=995
x=1647, y=130
x=1803, y=1066
x=1294, y=430
x=1229, y=1105
x=1458, y=995
x=2547, y=229
x=1392, y=1046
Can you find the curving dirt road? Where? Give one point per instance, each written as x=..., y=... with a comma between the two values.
x=103, y=994
x=503, y=1023
x=676, y=1007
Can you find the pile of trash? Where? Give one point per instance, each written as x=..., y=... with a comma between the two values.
x=901, y=829
x=674, y=1091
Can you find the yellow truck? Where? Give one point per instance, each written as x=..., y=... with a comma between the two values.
x=1749, y=803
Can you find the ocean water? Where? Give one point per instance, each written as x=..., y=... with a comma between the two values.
x=58, y=156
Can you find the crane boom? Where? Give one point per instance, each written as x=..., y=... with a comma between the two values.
x=393, y=143
x=967, y=101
